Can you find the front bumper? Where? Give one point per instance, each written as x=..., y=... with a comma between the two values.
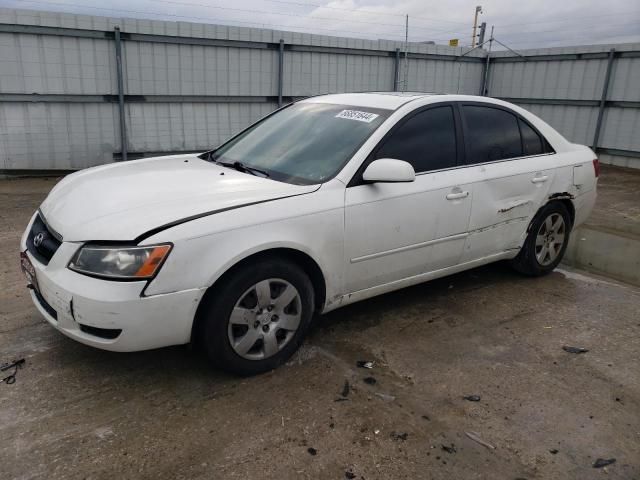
x=110, y=315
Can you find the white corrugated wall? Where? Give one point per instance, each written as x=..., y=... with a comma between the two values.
x=233, y=86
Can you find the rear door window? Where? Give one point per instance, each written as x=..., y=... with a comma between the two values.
x=532, y=143
x=427, y=140
x=491, y=134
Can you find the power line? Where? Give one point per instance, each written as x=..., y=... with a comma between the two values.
x=298, y=15
x=224, y=20
x=386, y=14
x=439, y=35
x=200, y=18
x=572, y=19
x=271, y=13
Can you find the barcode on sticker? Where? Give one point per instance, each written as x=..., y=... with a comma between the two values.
x=357, y=115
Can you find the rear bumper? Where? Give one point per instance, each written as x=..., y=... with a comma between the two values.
x=110, y=315
x=584, y=204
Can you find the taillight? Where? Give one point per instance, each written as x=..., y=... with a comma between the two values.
x=596, y=167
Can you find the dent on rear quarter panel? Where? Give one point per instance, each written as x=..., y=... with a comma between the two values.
x=562, y=185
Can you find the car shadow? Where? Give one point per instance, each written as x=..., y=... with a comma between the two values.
x=187, y=365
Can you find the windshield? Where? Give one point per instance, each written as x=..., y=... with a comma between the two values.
x=305, y=143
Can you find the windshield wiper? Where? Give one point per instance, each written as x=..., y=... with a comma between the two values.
x=241, y=167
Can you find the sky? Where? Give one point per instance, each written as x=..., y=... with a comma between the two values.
x=519, y=24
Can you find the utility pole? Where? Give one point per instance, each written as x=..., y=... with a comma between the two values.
x=475, y=25
x=483, y=28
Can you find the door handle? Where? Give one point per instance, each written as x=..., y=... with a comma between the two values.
x=457, y=195
x=540, y=179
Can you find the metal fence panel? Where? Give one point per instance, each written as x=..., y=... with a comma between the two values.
x=47, y=64
x=175, y=127
x=566, y=79
x=444, y=76
x=174, y=69
x=311, y=73
x=46, y=136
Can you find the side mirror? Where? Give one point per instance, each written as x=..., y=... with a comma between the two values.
x=389, y=170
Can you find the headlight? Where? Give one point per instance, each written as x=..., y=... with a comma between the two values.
x=119, y=263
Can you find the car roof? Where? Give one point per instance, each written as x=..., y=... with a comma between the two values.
x=384, y=100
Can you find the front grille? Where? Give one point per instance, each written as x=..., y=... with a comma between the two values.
x=42, y=242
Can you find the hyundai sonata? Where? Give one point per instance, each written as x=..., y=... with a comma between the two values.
x=325, y=202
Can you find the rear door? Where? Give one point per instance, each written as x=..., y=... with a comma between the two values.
x=513, y=166
x=398, y=230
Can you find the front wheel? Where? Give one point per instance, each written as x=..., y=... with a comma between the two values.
x=546, y=241
x=258, y=317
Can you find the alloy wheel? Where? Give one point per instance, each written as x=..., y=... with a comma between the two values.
x=264, y=319
x=550, y=239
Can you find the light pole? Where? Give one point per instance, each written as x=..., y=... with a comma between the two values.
x=475, y=25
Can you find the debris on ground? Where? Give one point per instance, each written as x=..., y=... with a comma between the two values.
x=449, y=449
x=369, y=380
x=602, y=462
x=574, y=349
x=426, y=417
x=399, y=436
x=312, y=451
x=365, y=364
x=345, y=389
x=472, y=398
x=385, y=396
x=11, y=378
x=349, y=474
x=476, y=438
x=553, y=451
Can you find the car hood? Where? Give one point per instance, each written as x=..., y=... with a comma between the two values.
x=125, y=200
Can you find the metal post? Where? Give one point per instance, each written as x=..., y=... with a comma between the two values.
x=406, y=55
x=603, y=98
x=396, y=70
x=280, y=71
x=487, y=66
x=123, y=122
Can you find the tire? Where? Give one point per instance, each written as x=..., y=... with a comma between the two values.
x=247, y=326
x=544, y=247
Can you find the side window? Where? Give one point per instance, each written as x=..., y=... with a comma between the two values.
x=491, y=134
x=531, y=141
x=427, y=140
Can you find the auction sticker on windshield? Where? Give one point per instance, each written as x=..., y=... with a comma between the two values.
x=358, y=115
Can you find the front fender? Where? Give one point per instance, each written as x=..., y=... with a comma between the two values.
x=200, y=259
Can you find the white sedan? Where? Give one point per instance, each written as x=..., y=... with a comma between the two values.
x=325, y=202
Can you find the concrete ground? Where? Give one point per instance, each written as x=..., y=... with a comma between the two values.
x=77, y=412
x=609, y=242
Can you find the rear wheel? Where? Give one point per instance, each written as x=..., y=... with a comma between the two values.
x=546, y=241
x=258, y=318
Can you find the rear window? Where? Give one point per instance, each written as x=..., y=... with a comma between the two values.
x=491, y=134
